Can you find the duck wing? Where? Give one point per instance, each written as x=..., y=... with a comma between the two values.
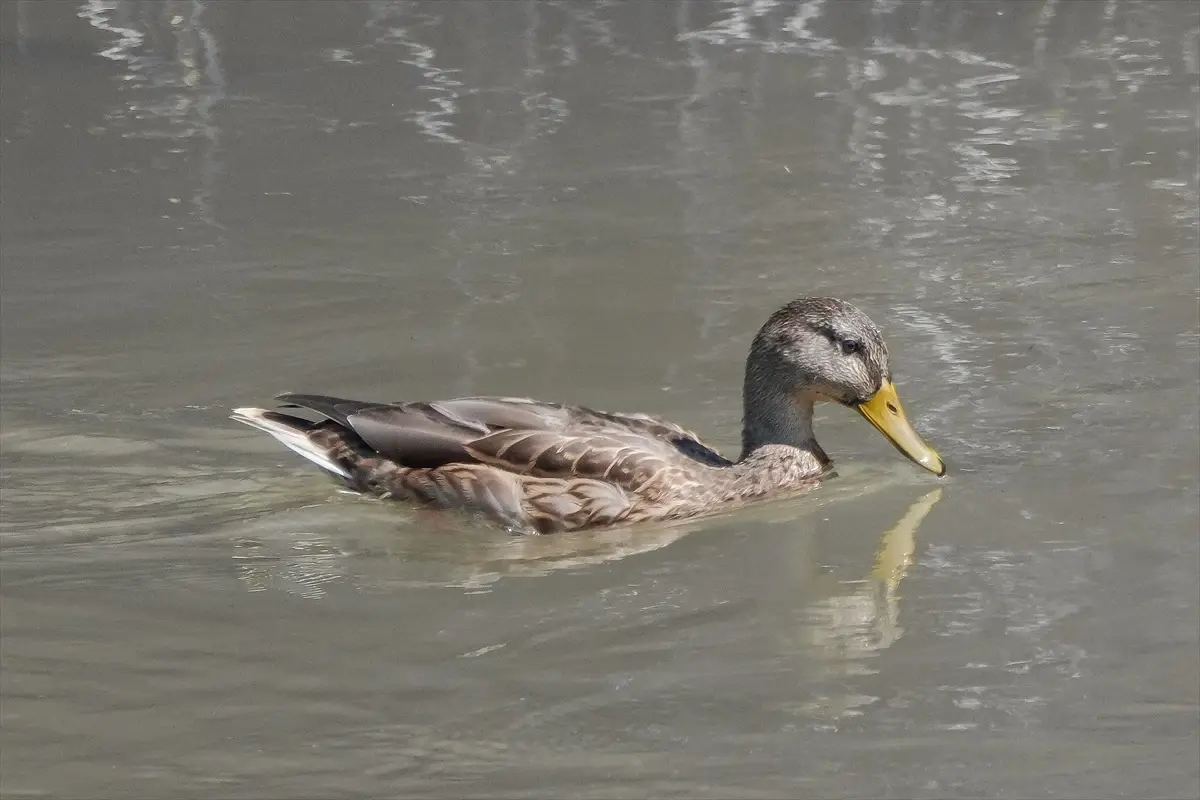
x=518, y=435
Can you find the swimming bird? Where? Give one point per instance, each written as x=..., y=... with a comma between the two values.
x=538, y=467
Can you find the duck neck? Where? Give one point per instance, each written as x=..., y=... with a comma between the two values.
x=774, y=417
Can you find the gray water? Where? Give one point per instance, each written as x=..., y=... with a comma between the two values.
x=208, y=203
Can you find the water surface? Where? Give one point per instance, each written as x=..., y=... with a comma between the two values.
x=208, y=203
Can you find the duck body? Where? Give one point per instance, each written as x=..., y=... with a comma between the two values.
x=539, y=467
x=534, y=467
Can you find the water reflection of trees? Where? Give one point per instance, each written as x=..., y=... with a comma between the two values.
x=171, y=83
x=939, y=111
x=977, y=93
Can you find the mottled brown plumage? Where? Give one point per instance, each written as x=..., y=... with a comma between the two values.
x=542, y=467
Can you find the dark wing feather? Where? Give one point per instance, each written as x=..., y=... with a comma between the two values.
x=416, y=434
x=335, y=408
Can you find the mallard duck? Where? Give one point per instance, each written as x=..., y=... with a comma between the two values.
x=543, y=467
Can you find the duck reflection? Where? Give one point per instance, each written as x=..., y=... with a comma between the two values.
x=842, y=623
x=303, y=551
x=859, y=617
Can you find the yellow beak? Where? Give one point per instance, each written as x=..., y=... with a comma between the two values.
x=887, y=415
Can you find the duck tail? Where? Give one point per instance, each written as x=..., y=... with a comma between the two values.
x=296, y=434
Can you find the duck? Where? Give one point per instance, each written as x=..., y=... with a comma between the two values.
x=540, y=467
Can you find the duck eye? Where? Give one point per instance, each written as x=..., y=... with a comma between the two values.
x=851, y=346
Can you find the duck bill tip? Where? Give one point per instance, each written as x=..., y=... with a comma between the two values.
x=884, y=412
